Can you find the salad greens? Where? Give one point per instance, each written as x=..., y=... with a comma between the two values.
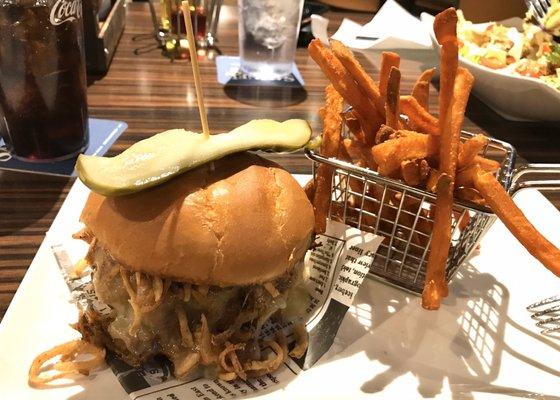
x=554, y=56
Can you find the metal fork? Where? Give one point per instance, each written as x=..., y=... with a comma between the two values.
x=538, y=9
x=547, y=313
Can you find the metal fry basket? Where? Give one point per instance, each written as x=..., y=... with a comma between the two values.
x=404, y=216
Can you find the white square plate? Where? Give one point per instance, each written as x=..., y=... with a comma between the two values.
x=482, y=343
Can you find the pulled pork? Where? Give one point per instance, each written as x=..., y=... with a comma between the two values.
x=190, y=325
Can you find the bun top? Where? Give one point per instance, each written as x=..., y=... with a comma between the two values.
x=235, y=221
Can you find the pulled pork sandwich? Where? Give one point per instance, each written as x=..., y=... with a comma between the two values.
x=193, y=268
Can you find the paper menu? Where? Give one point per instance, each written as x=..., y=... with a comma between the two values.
x=335, y=268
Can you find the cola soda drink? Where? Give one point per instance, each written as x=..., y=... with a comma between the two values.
x=43, y=107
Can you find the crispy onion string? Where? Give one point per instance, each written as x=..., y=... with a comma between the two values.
x=186, y=365
x=237, y=367
x=186, y=292
x=302, y=341
x=186, y=334
x=137, y=320
x=151, y=299
x=67, y=365
x=227, y=376
x=126, y=283
x=79, y=268
x=138, y=276
x=270, y=288
x=157, y=286
x=145, y=298
x=204, y=342
x=221, y=337
x=230, y=347
x=135, y=325
x=229, y=352
x=283, y=342
x=270, y=364
x=84, y=234
x=158, y=299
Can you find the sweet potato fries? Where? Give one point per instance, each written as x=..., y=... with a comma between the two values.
x=397, y=136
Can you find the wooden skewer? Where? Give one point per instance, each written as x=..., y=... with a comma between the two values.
x=196, y=72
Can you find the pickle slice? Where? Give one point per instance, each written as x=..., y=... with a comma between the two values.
x=159, y=158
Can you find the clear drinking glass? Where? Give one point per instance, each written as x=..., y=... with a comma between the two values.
x=268, y=34
x=204, y=16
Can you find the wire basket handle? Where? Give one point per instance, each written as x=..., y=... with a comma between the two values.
x=547, y=178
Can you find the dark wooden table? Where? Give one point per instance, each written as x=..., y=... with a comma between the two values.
x=153, y=94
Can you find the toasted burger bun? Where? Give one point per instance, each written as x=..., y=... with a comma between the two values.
x=237, y=221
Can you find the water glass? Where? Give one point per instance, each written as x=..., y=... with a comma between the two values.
x=268, y=34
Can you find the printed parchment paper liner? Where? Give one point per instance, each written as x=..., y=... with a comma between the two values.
x=336, y=269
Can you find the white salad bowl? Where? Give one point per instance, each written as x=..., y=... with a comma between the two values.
x=514, y=97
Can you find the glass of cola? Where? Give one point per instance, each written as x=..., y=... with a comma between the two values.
x=43, y=107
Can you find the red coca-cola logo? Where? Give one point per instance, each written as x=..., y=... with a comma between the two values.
x=64, y=10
